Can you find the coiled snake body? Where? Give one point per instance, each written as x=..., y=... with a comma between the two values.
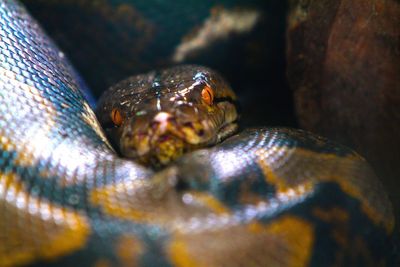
x=264, y=197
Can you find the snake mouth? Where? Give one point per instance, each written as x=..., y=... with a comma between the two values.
x=165, y=149
x=162, y=142
x=159, y=139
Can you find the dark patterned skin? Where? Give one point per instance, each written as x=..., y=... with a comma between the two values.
x=264, y=197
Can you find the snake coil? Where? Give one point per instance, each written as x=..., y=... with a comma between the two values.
x=264, y=197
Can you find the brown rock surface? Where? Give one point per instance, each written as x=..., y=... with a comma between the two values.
x=344, y=68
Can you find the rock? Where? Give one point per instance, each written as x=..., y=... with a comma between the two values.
x=344, y=68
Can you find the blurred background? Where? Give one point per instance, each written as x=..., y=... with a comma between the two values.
x=244, y=40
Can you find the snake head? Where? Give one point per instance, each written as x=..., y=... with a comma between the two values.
x=156, y=117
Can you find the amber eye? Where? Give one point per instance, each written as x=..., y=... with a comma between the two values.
x=207, y=95
x=116, y=117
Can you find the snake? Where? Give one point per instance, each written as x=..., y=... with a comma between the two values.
x=260, y=197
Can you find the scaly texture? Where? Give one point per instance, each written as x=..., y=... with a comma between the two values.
x=265, y=197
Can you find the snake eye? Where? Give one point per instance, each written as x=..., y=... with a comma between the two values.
x=116, y=117
x=207, y=95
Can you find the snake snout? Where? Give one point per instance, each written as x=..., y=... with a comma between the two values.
x=162, y=136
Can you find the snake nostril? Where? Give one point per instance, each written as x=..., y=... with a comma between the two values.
x=172, y=119
x=154, y=124
x=181, y=185
x=163, y=138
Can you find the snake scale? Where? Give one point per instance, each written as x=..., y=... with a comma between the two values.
x=263, y=197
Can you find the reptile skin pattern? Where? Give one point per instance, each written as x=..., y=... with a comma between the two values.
x=264, y=197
